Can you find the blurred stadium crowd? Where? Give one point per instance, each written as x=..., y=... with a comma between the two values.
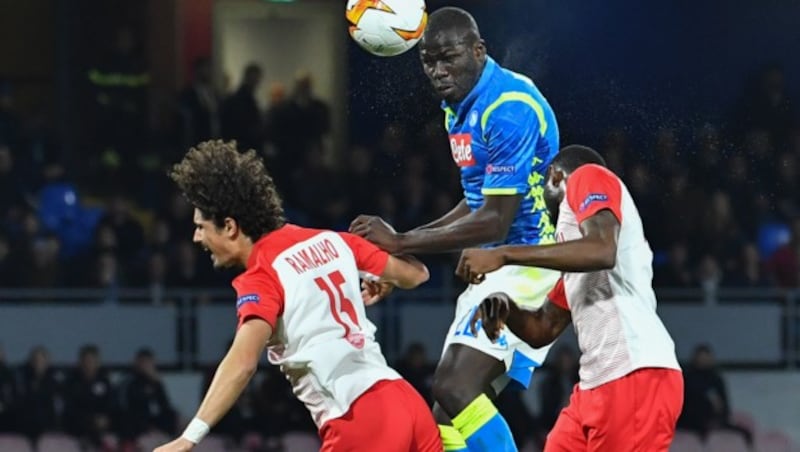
x=720, y=202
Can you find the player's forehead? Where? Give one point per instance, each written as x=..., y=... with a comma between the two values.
x=442, y=41
x=198, y=217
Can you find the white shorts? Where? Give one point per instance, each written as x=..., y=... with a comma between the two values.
x=527, y=286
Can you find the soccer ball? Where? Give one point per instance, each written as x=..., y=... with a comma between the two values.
x=386, y=27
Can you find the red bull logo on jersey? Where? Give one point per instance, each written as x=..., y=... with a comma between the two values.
x=461, y=147
x=316, y=255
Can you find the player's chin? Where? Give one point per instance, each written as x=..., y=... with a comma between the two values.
x=218, y=263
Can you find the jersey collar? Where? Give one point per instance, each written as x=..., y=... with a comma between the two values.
x=488, y=71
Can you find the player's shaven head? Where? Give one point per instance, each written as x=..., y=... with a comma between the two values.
x=224, y=183
x=450, y=19
x=573, y=156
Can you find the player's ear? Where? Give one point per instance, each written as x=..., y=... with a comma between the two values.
x=480, y=49
x=231, y=227
x=556, y=175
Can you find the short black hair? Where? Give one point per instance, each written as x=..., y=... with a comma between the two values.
x=144, y=352
x=571, y=157
x=88, y=349
x=224, y=183
x=452, y=18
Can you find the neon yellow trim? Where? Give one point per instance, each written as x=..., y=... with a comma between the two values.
x=499, y=191
x=449, y=114
x=118, y=79
x=474, y=416
x=517, y=96
x=451, y=439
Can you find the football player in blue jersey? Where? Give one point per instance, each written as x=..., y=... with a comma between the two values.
x=503, y=136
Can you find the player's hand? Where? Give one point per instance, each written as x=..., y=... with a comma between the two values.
x=179, y=445
x=475, y=263
x=374, y=291
x=376, y=231
x=492, y=313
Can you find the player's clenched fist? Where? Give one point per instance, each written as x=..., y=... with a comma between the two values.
x=375, y=291
x=376, y=231
x=492, y=313
x=476, y=263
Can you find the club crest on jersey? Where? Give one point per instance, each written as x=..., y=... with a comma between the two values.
x=473, y=118
x=249, y=298
x=461, y=147
x=593, y=197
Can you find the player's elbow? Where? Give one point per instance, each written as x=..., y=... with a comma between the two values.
x=406, y=272
x=495, y=228
x=421, y=276
x=607, y=257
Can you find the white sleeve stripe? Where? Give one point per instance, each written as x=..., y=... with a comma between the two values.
x=368, y=276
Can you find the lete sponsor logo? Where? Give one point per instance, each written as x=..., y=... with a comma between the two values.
x=461, y=147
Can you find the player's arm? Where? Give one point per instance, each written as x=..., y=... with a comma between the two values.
x=235, y=370
x=596, y=250
x=512, y=131
x=594, y=195
x=405, y=272
x=537, y=327
x=488, y=224
x=460, y=210
x=231, y=378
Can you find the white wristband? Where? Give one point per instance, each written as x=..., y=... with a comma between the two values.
x=196, y=430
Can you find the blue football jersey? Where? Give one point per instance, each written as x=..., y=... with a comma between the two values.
x=503, y=137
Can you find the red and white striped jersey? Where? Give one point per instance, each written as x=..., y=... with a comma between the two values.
x=613, y=311
x=305, y=284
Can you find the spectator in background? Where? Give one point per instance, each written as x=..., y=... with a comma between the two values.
x=8, y=395
x=9, y=266
x=90, y=408
x=676, y=272
x=747, y=270
x=41, y=403
x=706, y=405
x=199, y=107
x=784, y=264
x=787, y=185
x=299, y=124
x=764, y=103
x=127, y=229
x=415, y=367
x=119, y=81
x=278, y=411
x=241, y=115
x=145, y=405
x=12, y=198
x=557, y=385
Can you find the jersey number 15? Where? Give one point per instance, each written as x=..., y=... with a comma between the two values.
x=340, y=305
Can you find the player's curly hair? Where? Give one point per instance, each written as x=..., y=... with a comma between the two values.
x=222, y=182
